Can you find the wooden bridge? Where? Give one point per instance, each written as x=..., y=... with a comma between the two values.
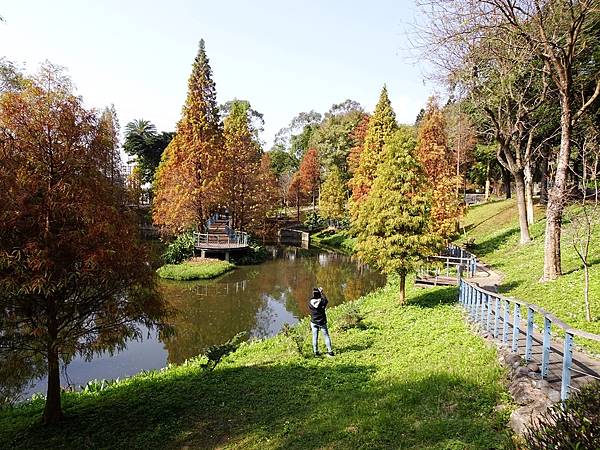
x=220, y=238
x=526, y=329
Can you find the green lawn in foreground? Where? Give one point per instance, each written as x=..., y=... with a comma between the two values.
x=194, y=270
x=415, y=378
x=495, y=230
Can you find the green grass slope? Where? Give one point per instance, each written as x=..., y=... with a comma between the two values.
x=414, y=378
x=495, y=231
x=338, y=240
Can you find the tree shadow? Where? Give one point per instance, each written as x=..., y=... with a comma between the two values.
x=492, y=244
x=507, y=287
x=321, y=404
x=434, y=297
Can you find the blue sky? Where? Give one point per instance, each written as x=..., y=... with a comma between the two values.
x=284, y=57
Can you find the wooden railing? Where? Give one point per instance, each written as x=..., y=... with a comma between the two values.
x=494, y=313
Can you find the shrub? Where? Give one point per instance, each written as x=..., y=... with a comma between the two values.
x=351, y=318
x=313, y=221
x=215, y=353
x=296, y=334
x=256, y=254
x=181, y=248
x=572, y=425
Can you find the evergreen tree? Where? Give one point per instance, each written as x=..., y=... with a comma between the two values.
x=382, y=125
x=393, y=224
x=436, y=159
x=239, y=165
x=185, y=181
x=332, y=200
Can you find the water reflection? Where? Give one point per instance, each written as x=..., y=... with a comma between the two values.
x=253, y=299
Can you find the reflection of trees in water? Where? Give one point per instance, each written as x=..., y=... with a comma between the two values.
x=205, y=320
x=212, y=312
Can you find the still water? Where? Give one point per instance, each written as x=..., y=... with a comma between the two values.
x=254, y=299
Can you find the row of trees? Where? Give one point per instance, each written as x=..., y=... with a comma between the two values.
x=528, y=73
x=213, y=161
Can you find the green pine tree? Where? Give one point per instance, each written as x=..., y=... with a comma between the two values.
x=332, y=200
x=393, y=224
x=382, y=126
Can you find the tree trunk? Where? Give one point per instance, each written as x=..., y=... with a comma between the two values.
x=586, y=292
x=52, y=409
x=556, y=197
x=522, y=207
x=506, y=181
x=528, y=176
x=544, y=180
x=402, y=296
x=487, y=182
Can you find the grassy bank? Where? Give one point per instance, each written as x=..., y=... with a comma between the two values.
x=339, y=240
x=494, y=229
x=415, y=377
x=200, y=269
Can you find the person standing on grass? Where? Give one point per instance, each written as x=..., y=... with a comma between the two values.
x=318, y=320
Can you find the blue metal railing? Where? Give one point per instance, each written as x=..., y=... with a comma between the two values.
x=481, y=305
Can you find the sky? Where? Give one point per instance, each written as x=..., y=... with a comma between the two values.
x=284, y=57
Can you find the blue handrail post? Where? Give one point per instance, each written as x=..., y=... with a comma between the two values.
x=529, y=338
x=471, y=302
x=478, y=305
x=461, y=293
x=516, y=320
x=505, y=322
x=489, y=312
x=483, y=309
x=566, y=369
x=496, y=315
x=546, y=346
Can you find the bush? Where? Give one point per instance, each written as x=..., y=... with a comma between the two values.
x=313, y=221
x=256, y=254
x=181, y=248
x=572, y=425
x=351, y=318
x=215, y=353
x=296, y=334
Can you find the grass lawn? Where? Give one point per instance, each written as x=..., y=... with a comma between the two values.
x=199, y=269
x=495, y=231
x=414, y=378
x=338, y=240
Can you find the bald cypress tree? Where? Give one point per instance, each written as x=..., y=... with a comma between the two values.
x=382, y=125
x=393, y=224
x=436, y=159
x=185, y=181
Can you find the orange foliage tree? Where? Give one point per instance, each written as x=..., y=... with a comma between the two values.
x=297, y=193
x=186, y=179
x=310, y=174
x=358, y=138
x=73, y=274
x=437, y=162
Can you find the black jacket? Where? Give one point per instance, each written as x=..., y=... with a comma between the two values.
x=317, y=310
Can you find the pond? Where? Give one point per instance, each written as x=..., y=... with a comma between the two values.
x=257, y=300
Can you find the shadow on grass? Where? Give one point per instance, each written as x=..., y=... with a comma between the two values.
x=490, y=245
x=327, y=404
x=507, y=287
x=433, y=297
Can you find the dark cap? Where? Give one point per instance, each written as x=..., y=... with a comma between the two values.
x=316, y=293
